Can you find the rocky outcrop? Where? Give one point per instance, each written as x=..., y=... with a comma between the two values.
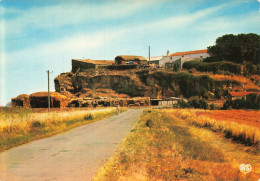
x=155, y=84
x=121, y=82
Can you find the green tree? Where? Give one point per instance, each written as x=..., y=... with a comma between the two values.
x=241, y=48
x=217, y=93
x=252, y=101
x=176, y=67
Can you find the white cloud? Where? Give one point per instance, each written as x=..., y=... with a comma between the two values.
x=87, y=43
x=178, y=22
x=83, y=42
x=68, y=14
x=226, y=23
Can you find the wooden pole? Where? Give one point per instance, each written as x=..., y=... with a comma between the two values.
x=49, y=99
x=48, y=72
x=93, y=93
x=149, y=56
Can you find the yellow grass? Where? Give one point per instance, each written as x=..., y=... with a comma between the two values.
x=164, y=146
x=12, y=120
x=21, y=125
x=250, y=135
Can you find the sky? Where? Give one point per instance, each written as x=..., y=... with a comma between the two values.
x=37, y=35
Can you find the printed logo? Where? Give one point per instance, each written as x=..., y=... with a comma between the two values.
x=245, y=168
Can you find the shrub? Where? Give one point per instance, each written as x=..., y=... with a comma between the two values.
x=198, y=103
x=238, y=103
x=176, y=67
x=37, y=124
x=250, y=69
x=212, y=106
x=193, y=103
x=252, y=102
x=227, y=104
x=88, y=117
x=217, y=93
x=182, y=104
x=214, y=67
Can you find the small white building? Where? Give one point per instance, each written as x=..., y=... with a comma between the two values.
x=186, y=56
x=154, y=60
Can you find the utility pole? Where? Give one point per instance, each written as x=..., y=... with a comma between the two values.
x=149, y=56
x=109, y=96
x=93, y=94
x=109, y=86
x=49, y=100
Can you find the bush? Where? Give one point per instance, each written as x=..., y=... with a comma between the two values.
x=238, y=103
x=251, y=69
x=252, y=102
x=212, y=106
x=217, y=93
x=193, y=103
x=198, y=103
x=88, y=117
x=182, y=104
x=227, y=104
x=214, y=67
x=37, y=124
x=176, y=67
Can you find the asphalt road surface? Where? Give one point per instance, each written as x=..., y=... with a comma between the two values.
x=74, y=155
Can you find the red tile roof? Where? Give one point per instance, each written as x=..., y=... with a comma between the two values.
x=241, y=94
x=188, y=53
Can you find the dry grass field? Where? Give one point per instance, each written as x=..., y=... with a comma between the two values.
x=19, y=126
x=166, y=144
x=247, y=83
x=239, y=125
x=251, y=118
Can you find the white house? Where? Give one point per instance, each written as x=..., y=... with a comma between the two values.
x=184, y=55
x=155, y=59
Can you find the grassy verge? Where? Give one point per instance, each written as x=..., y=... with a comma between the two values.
x=164, y=147
x=20, y=126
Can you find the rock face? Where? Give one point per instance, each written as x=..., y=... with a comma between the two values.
x=120, y=82
x=155, y=84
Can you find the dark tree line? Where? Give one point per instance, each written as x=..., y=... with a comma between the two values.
x=241, y=48
x=252, y=101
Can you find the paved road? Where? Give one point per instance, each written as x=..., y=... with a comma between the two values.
x=73, y=155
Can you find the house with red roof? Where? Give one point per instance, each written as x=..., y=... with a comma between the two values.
x=184, y=57
x=239, y=95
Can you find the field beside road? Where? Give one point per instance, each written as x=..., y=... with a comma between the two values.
x=19, y=126
x=181, y=144
x=250, y=118
x=76, y=154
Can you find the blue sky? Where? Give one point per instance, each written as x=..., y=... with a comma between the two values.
x=38, y=35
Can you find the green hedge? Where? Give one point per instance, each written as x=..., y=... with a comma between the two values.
x=214, y=67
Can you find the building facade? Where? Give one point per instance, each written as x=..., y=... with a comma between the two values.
x=184, y=57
